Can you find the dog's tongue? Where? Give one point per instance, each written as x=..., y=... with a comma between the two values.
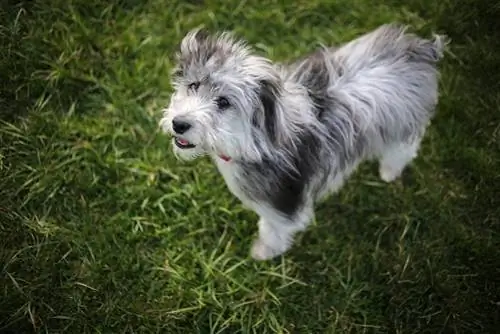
x=182, y=141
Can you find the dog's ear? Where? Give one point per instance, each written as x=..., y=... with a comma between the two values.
x=267, y=118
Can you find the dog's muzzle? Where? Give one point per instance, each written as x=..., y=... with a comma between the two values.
x=181, y=126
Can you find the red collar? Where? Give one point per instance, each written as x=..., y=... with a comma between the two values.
x=224, y=157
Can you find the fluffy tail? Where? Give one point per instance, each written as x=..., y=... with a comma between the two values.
x=439, y=44
x=422, y=49
x=389, y=41
x=418, y=48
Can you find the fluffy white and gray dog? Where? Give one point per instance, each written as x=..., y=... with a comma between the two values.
x=284, y=136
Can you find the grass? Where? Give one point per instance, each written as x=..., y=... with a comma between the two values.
x=102, y=231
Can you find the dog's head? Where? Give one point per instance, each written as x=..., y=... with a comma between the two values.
x=225, y=99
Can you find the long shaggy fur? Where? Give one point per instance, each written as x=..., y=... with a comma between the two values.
x=290, y=134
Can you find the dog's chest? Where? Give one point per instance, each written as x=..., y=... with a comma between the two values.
x=234, y=180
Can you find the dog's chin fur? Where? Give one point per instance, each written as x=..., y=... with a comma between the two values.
x=294, y=132
x=187, y=154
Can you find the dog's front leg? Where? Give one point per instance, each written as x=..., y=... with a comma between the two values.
x=276, y=232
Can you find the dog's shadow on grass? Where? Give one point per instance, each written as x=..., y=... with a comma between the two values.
x=407, y=258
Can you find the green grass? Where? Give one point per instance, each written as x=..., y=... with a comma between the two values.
x=103, y=231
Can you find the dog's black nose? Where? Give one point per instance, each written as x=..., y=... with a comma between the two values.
x=180, y=126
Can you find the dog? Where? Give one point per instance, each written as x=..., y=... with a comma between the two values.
x=285, y=136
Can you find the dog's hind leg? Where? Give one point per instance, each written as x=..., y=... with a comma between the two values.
x=396, y=157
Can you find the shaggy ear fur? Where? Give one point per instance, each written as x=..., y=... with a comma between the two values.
x=269, y=92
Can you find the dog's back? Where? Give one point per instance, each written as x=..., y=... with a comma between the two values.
x=388, y=46
x=385, y=79
x=374, y=93
x=390, y=78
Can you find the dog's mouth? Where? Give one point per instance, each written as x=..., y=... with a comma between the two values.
x=182, y=143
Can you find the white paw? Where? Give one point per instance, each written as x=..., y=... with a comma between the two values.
x=261, y=251
x=387, y=174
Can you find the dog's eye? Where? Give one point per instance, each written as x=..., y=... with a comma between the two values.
x=222, y=103
x=194, y=85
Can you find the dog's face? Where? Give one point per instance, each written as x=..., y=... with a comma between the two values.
x=224, y=99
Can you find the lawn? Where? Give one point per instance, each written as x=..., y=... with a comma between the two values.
x=103, y=231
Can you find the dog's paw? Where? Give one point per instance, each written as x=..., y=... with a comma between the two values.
x=388, y=174
x=260, y=251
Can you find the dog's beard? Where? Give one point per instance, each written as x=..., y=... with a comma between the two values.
x=183, y=150
x=212, y=144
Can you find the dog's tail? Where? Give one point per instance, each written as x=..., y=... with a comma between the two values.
x=392, y=40
x=421, y=49
x=438, y=46
x=396, y=36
